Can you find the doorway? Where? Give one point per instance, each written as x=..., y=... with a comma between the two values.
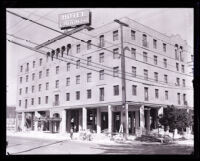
x=104, y=120
x=92, y=119
x=74, y=120
x=131, y=122
x=117, y=120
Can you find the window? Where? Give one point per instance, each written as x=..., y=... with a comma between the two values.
x=133, y=53
x=155, y=58
x=115, y=71
x=26, y=90
x=39, y=87
x=181, y=53
x=177, y=67
x=26, y=103
x=101, y=41
x=20, y=79
x=46, y=99
x=184, y=99
x=67, y=81
x=33, y=76
x=166, y=95
x=33, y=88
x=182, y=68
x=132, y=35
x=89, y=77
x=156, y=76
x=179, y=98
x=89, y=60
x=145, y=57
x=101, y=57
x=77, y=64
x=57, y=84
x=146, y=95
x=165, y=63
x=33, y=64
x=145, y=74
x=183, y=82
x=164, y=47
x=40, y=61
x=27, y=67
x=77, y=95
x=176, y=54
x=154, y=43
x=39, y=100
x=78, y=79
x=144, y=40
x=56, y=97
x=67, y=96
x=20, y=91
x=101, y=91
x=47, y=86
x=101, y=75
x=20, y=102
x=165, y=78
x=89, y=44
x=47, y=72
x=78, y=48
x=134, y=71
x=116, y=53
x=115, y=35
x=178, y=81
x=134, y=90
x=89, y=93
x=40, y=74
x=156, y=93
x=57, y=69
x=68, y=66
x=26, y=78
x=21, y=68
x=116, y=90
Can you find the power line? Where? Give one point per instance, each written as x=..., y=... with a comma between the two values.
x=91, y=43
x=129, y=74
x=44, y=53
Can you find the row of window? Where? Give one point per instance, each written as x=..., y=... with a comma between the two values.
x=101, y=96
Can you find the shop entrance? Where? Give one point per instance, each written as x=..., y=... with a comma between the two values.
x=92, y=119
x=29, y=124
x=43, y=123
x=153, y=118
x=131, y=122
x=116, y=120
x=104, y=120
x=74, y=120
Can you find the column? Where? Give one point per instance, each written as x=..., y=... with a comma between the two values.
x=148, y=121
x=126, y=119
x=110, y=119
x=142, y=118
x=63, y=122
x=36, y=121
x=98, y=120
x=84, y=112
x=23, y=121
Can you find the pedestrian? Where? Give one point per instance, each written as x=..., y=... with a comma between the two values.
x=71, y=132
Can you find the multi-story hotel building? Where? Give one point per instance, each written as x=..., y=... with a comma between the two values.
x=84, y=87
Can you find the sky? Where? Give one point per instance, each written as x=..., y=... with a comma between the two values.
x=165, y=20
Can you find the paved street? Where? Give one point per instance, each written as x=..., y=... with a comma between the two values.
x=20, y=145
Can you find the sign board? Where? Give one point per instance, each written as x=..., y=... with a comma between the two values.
x=74, y=19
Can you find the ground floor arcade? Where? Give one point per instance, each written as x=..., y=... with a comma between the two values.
x=139, y=119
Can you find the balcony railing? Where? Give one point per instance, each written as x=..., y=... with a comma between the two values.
x=56, y=103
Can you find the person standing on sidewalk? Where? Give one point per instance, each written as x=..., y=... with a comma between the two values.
x=71, y=132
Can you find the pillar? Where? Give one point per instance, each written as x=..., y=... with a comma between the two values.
x=36, y=121
x=23, y=121
x=98, y=120
x=109, y=119
x=148, y=120
x=63, y=122
x=142, y=118
x=126, y=119
x=84, y=117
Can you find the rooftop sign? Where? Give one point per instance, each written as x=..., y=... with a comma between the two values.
x=74, y=19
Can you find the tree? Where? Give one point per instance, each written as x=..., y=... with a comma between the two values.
x=175, y=119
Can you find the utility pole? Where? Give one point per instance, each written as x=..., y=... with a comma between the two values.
x=124, y=113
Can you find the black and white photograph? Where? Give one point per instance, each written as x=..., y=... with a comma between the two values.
x=99, y=81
